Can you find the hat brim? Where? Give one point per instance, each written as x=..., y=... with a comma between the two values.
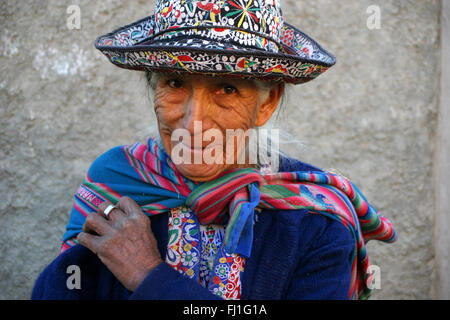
x=298, y=58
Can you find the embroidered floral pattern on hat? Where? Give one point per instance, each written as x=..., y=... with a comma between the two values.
x=205, y=31
x=256, y=16
x=270, y=68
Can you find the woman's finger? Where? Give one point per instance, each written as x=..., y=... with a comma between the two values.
x=89, y=241
x=130, y=207
x=96, y=224
x=115, y=215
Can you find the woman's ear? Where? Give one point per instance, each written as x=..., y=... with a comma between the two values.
x=268, y=107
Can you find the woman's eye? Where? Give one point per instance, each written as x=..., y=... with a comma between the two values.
x=229, y=89
x=175, y=83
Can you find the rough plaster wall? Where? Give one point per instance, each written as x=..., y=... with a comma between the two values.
x=441, y=284
x=371, y=117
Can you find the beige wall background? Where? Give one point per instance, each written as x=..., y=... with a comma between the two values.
x=373, y=117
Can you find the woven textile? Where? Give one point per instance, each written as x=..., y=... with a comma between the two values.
x=146, y=173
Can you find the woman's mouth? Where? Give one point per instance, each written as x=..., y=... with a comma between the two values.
x=196, y=154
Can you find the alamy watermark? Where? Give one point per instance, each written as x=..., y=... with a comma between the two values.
x=74, y=17
x=374, y=277
x=74, y=280
x=374, y=19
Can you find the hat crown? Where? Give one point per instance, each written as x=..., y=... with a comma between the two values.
x=263, y=17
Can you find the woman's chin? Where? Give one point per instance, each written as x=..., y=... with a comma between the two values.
x=200, y=172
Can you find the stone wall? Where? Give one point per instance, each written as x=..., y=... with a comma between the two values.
x=372, y=117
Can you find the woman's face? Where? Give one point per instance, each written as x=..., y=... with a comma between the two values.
x=203, y=108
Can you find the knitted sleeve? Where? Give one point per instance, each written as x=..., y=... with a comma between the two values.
x=58, y=281
x=325, y=267
x=165, y=283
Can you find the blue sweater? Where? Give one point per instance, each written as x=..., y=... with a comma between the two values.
x=295, y=255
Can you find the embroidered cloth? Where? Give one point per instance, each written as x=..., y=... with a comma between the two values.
x=146, y=173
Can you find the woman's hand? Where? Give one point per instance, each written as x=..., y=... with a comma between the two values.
x=123, y=241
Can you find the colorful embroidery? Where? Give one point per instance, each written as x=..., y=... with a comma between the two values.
x=226, y=281
x=196, y=251
x=207, y=32
x=212, y=238
x=146, y=173
x=183, y=249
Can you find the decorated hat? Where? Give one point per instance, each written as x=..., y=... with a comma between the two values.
x=242, y=38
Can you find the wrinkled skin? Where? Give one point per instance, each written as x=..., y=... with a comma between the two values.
x=124, y=241
x=219, y=104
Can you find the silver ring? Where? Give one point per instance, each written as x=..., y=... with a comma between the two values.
x=108, y=209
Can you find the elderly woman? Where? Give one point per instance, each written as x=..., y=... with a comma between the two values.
x=151, y=222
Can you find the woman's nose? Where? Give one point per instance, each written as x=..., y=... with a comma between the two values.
x=197, y=116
